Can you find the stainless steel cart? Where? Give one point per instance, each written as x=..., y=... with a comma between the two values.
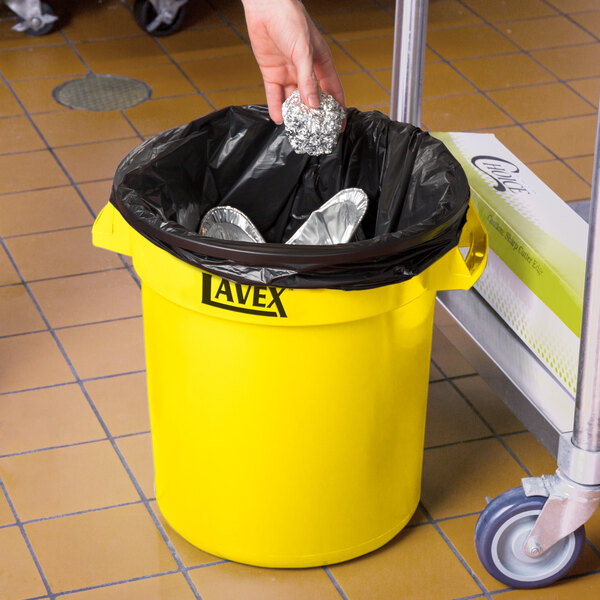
x=533, y=534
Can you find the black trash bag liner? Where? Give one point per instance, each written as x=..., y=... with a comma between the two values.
x=418, y=198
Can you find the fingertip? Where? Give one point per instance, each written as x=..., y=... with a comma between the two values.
x=338, y=96
x=331, y=85
x=308, y=86
x=313, y=101
x=274, y=93
x=309, y=94
x=276, y=116
x=275, y=112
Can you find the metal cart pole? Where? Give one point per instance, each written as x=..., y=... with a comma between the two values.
x=586, y=430
x=534, y=534
x=410, y=28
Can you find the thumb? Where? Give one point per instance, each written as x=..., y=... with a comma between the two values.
x=307, y=82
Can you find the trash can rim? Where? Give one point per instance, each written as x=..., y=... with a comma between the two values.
x=285, y=255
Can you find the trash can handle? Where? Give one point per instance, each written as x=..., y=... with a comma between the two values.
x=111, y=231
x=455, y=272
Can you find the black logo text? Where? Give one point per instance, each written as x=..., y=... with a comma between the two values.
x=502, y=171
x=250, y=299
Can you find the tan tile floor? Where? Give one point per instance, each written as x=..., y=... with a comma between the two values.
x=77, y=512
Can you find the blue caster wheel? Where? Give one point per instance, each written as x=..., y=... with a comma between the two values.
x=500, y=535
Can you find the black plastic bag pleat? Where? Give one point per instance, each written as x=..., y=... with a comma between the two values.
x=418, y=198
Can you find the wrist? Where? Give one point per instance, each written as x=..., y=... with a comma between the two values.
x=261, y=5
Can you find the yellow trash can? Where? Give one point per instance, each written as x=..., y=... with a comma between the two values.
x=287, y=424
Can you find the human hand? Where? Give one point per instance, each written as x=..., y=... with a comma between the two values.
x=291, y=54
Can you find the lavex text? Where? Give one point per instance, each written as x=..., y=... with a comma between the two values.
x=257, y=300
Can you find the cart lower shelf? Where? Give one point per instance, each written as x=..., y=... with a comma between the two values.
x=507, y=365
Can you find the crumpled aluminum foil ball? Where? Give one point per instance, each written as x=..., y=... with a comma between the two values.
x=313, y=131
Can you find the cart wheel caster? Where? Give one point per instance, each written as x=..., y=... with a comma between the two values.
x=45, y=29
x=500, y=535
x=144, y=13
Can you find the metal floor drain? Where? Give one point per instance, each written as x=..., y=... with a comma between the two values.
x=102, y=92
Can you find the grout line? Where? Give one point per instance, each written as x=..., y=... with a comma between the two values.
x=63, y=146
x=456, y=553
x=43, y=77
x=66, y=383
x=593, y=547
x=123, y=436
x=465, y=376
x=134, y=579
x=19, y=524
x=32, y=47
x=104, y=321
x=335, y=583
x=513, y=433
x=59, y=230
x=74, y=444
x=465, y=441
x=81, y=512
x=520, y=86
x=114, y=583
x=35, y=389
x=515, y=52
x=560, y=582
x=449, y=377
x=53, y=187
x=214, y=563
x=68, y=275
x=64, y=327
x=451, y=518
x=112, y=376
x=22, y=333
x=140, y=34
x=41, y=189
x=58, y=447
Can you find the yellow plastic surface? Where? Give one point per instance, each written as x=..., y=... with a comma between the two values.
x=287, y=425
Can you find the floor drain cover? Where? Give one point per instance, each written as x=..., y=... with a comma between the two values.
x=102, y=92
